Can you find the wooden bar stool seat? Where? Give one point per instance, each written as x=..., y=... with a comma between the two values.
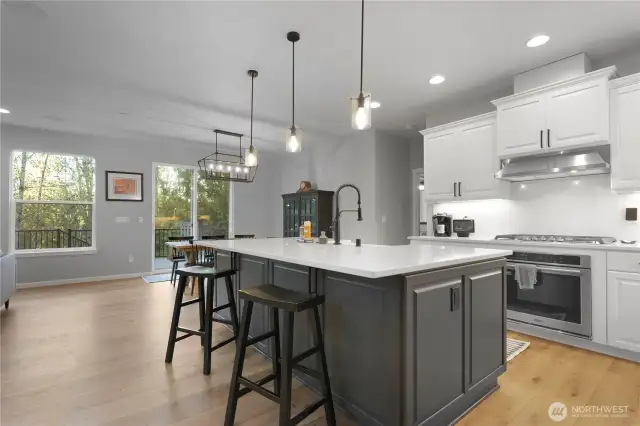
x=280, y=299
x=205, y=302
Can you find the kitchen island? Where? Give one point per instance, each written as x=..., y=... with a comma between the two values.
x=414, y=335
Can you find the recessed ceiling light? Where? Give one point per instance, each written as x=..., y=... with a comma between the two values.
x=436, y=79
x=538, y=40
x=375, y=104
x=4, y=111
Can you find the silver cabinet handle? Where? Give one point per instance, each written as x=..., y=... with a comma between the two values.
x=455, y=189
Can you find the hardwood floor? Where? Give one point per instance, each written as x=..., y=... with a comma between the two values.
x=93, y=354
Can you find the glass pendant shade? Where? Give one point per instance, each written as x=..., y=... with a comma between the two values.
x=361, y=112
x=250, y=157
x=293, y=139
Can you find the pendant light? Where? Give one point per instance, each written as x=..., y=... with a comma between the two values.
x=293, y=142
x=361, y=105
x=251, y=155
x=230, y=166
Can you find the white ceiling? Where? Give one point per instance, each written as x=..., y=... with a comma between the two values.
x=174, y=69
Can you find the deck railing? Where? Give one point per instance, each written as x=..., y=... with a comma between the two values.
x=30, y=239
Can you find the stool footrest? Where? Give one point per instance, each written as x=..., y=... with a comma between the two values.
x=256, y=388
x=307, y=411
x=260, y=338
x=309, y=372
x=189, y=332
x=264, y=380
x=221, y=344
x=190, y=302
x=219, y=308
x=306, y=354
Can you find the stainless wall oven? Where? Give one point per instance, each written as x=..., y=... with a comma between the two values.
x=561, y=297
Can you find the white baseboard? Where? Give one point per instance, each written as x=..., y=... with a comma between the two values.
x=21, y=286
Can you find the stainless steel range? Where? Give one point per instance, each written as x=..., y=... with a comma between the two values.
x=556, y=239
x=557, y=292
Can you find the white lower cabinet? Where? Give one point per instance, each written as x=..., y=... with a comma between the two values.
x=623, y=310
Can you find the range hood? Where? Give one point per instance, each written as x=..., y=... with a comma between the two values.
x=589, y=161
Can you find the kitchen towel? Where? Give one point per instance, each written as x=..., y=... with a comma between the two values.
x=526, y=276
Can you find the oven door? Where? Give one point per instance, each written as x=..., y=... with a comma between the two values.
x=560, y=300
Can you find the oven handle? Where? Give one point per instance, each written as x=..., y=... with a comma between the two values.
x=561, y=271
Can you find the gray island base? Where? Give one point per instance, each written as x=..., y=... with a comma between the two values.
x=420, y=347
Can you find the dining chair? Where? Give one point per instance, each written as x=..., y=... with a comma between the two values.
x=177, y=256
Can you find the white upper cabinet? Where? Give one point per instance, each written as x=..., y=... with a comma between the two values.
x=520, y=126
x=571, y=113
x=440, y=174
x=460, y=161
x=625, y=133
x=578, y=114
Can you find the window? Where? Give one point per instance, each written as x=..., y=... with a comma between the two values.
x=53, y=201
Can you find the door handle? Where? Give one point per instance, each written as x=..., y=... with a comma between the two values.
x=455, y=189
x=455, y=298
x=459, y=189
x=541, y=136
x=549, y=138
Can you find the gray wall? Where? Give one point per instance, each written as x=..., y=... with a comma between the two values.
x=393, y=189
x=332, y=163
x=378, y=164
x=115, y=242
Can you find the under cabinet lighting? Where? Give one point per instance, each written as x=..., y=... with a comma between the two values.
x=4, y=111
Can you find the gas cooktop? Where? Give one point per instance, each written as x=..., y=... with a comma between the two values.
x=556, y=239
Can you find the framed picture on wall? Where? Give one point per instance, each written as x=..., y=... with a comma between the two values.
x=123, y=186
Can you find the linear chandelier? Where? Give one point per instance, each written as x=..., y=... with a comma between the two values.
x=231, y=167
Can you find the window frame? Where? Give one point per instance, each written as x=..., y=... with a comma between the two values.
x=13, y=203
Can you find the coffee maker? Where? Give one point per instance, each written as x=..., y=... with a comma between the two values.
x=442, y=225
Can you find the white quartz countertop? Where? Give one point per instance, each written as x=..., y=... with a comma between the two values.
x=473, y=239
x=369, y=261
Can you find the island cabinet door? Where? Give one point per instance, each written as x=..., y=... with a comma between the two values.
x=486, y=332
x=252, y=272
x=434, y=339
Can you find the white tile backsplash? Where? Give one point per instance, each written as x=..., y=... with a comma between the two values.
x=573, y=206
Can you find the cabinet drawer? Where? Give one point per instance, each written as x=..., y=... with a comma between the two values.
x=624, y=262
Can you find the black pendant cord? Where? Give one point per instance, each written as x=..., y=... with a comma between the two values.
x=293, y=86
x=251, y=134
x=362, y=47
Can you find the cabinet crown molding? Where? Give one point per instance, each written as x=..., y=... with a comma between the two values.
x=609, y=72
x=624, y=81
x=488, y=116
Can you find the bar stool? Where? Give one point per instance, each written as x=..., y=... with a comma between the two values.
x=201, y=273
x=277, y=298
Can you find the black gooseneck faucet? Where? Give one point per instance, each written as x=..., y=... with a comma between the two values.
x=336, y=221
